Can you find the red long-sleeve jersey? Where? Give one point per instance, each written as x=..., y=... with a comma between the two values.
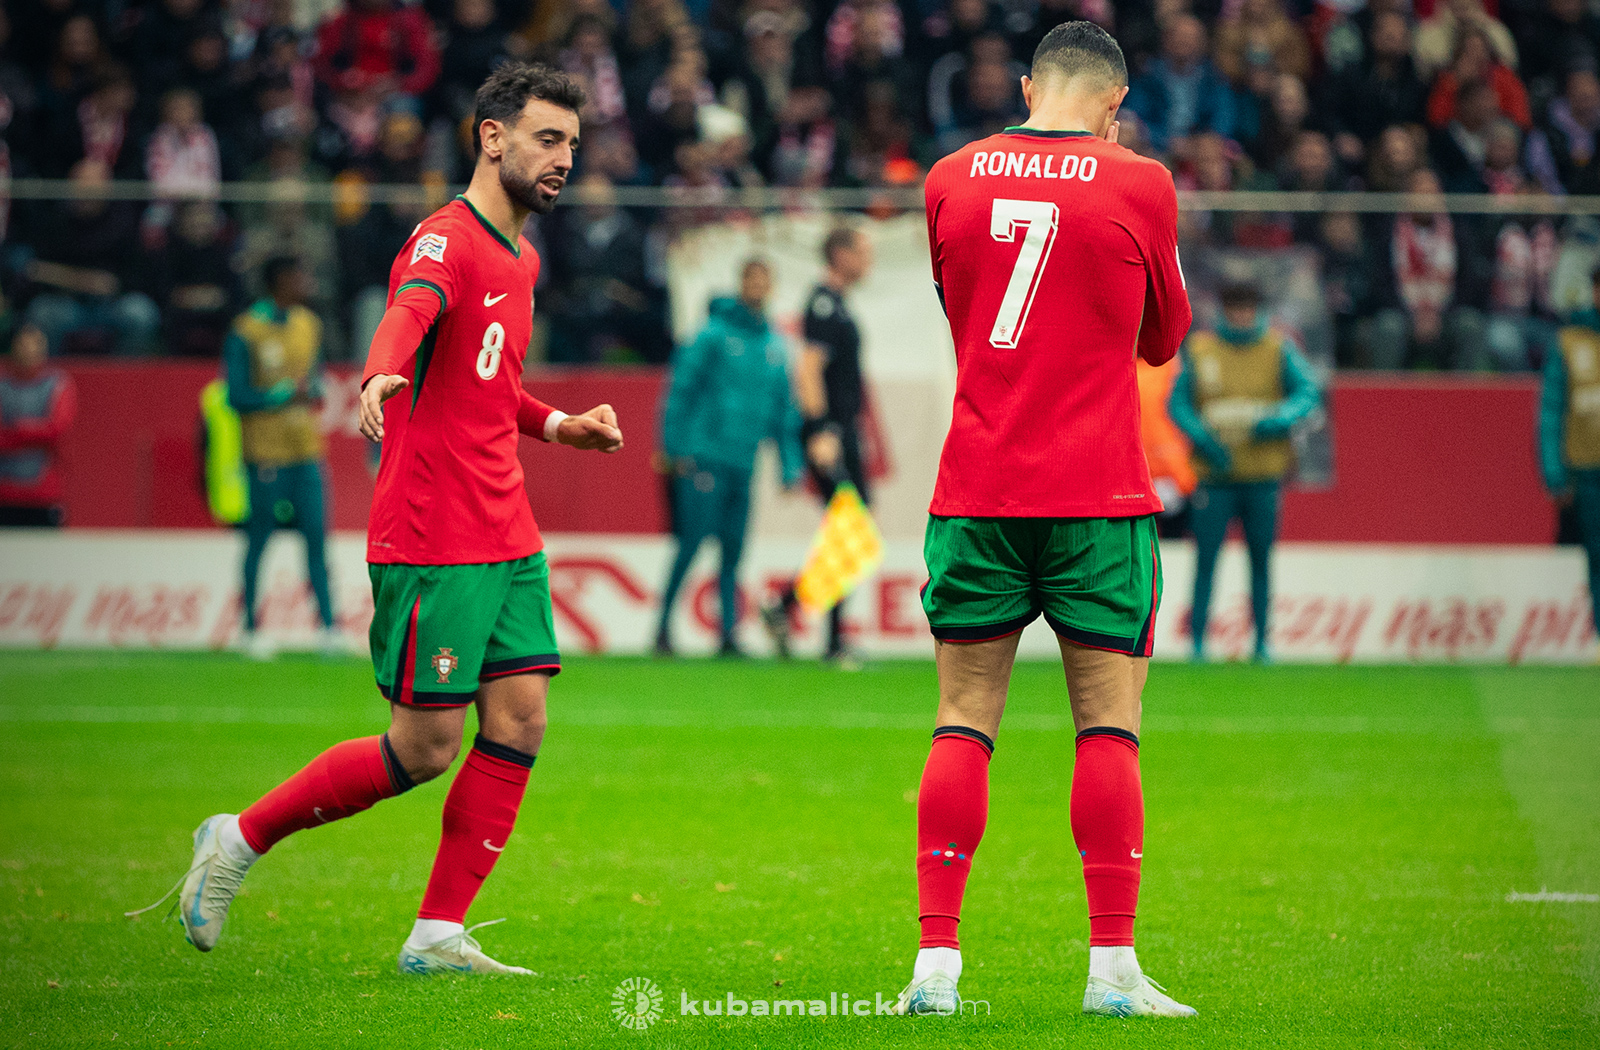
x=1056, y=256
x=450, y=489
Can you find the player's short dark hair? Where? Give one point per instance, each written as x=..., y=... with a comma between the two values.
x=512, y=84
x=274, y=268
x=1074, y=48
x=838, y=239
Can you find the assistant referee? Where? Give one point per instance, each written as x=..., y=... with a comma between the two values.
x=832, y=397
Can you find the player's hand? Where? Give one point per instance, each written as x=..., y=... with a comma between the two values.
x=1111, y=132
x=379, y=389
x=595, y=429
x=824, y=450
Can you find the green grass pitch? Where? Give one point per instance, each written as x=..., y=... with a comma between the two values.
x=1327, y=862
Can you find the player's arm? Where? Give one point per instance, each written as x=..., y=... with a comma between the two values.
x=684, y=387
x=1184, y=415
x=1166, y=298
x=809, y=387
x=394, y=346
x=932, y=198
x=243, y=394
x=1302, y=393
x=595, y=429
x=1552, y=413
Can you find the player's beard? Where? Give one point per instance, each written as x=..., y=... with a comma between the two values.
x=523, y=190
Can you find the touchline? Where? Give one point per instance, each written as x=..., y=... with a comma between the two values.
x=837, y=1004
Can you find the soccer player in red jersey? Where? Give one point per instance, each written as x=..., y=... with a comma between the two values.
x=460, y=586
x=1055, y=255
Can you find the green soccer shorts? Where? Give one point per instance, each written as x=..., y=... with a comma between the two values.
x=440, y=630
x=1097, y=581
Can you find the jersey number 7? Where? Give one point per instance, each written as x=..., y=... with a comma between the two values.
x=1040, y=219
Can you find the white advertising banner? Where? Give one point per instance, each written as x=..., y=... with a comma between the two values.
x=142, y=589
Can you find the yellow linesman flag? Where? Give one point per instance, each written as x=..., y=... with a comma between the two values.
x=847, y=550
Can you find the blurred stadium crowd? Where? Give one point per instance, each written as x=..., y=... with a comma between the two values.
x=1470, y=96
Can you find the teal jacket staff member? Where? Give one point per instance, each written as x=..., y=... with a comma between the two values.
x=273, y=359
x=1569, y=430
x=729, y=392
x=1242, y=389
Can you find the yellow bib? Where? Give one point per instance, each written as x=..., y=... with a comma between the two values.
x=280, y=350
x=1581, y=441
x=227, y=488
x=1235, y=387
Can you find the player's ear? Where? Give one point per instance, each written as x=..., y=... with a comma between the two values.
x=1027, y=91
x=489, y=139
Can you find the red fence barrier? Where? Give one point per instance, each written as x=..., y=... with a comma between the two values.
x=132, y=460
x=1416, y=459
x=1429, y=459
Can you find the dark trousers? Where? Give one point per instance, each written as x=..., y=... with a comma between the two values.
x=710, y=501
x=282, y=497
x=1214, y=506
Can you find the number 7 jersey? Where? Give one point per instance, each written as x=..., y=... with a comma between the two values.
x=1056, y=257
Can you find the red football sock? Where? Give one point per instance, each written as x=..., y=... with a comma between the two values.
x=341, y=782
x=1108, y=826
x=952, y=808
x=479, y=814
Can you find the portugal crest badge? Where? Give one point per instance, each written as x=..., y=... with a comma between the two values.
x=444, y=661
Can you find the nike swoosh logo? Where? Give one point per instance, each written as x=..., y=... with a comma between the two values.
x=489, y=300
x=195, y=918
x=490, y=846
x=1136, y=854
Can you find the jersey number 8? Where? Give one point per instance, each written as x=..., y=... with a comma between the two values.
x=494, y=338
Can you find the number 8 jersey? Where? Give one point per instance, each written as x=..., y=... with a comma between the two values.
x=1055, y=254
x=450, y=486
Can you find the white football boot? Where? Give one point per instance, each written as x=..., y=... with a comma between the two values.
x=458, y=954
x=934, y=994
x=1142, y=998
x=210, y=886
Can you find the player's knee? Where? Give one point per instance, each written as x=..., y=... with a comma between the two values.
x=434, y=760
x=522, y=729
x=427, y=757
